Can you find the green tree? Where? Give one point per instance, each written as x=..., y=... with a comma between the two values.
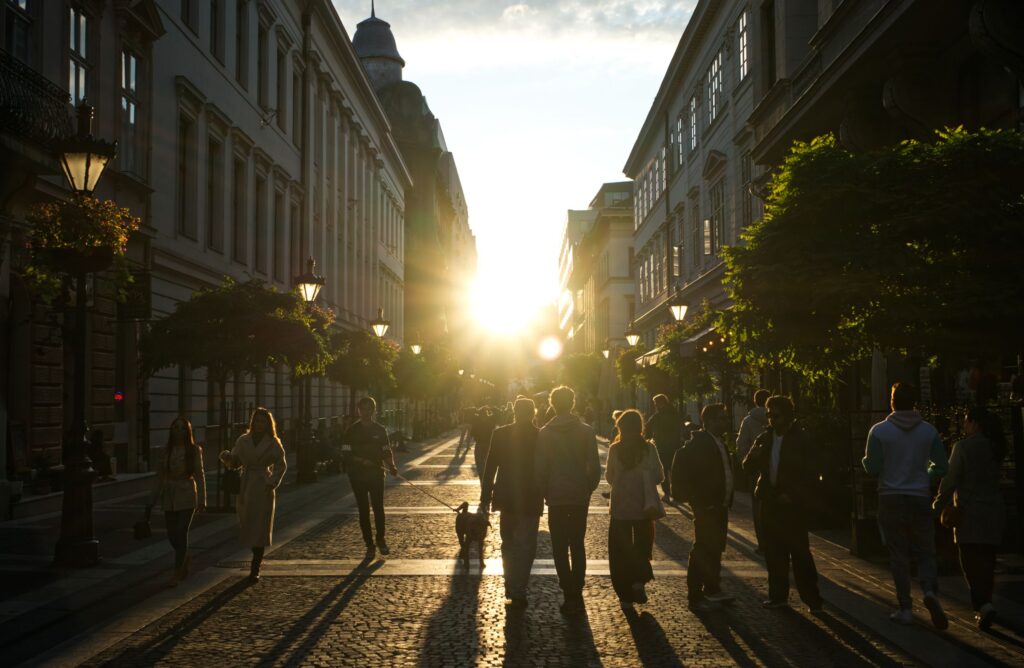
x=362, y=361
x=910, y=248
x=697, y=362
x=582, y=372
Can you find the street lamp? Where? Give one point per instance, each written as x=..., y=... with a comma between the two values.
x=308, y=285
x=678, y=308
x=415, y=347
x=632, y=337
x=379, y=325
x=462, y=371
x=83, y=159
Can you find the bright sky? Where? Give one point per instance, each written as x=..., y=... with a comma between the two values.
x=540, y=103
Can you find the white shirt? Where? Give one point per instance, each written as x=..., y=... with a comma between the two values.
x=773, y=472
x=728, y=468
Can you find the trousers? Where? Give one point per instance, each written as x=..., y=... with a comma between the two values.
x=178, y=523
x=630, y=544
x=704, y=567
x=568, y=526
x=518, y=549
x=369, y=491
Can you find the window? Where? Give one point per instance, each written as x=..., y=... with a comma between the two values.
x=239, y=188
x=277, y=248
x=296, y=241
x=743, y=37
x=130, y=113
x=282, y=90
x=716, y=198
x=259, y=224
x=18, y=29
x=696, y=257
x=663, y=174
x=677, y=248
x=217, y=29
x=214, y=194
x=714, y=88
x=186, y=178
x=693, y=122
x=679, y=140
x=78, y=64
x=242, y=42
x=190, y=13
x=296, y=107
x=746, y=168
x=706, y=235
x=262, y=66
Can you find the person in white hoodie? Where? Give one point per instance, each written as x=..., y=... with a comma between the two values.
x=906, y=454
x=753, y=425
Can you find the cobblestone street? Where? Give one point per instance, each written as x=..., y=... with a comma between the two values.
x=319, y=604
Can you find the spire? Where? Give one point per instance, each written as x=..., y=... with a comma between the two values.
x=373, y=9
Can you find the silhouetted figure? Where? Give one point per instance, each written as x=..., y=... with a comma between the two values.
x=260, y=455
x=702, y=477
x=781, y=459
x=509, y=485
x=665, y=429
x=568, y=471
x=634, y=471
x=98, y=455
x=366, y=453
x=972, y=485
x=755, y=422
x=906, y=453
x=483, y=428
x=181, y=492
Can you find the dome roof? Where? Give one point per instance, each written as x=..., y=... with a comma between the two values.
x=374, y=39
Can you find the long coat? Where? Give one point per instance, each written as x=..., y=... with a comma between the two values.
x=263, y=466
x=972, y=484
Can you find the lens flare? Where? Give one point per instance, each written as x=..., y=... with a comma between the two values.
x=550, y=348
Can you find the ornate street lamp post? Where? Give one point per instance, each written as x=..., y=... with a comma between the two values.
x=632, y=337
x=83, y=159
x=678, y=308
x=379, y=325
x=308, y=285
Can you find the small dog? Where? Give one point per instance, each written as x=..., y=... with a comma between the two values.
x=471, y=528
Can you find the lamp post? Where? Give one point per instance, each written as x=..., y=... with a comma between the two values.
x=632, y=337
x=83, y=159
x=308, y=284
x=678, y=308
x=379, y=325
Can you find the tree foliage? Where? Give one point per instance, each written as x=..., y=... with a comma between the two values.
x=909, y=248
x=705, y=366
x=626, y=368
x=432, y=373
x=238, y=327
x=582, y=372
x=361, y=360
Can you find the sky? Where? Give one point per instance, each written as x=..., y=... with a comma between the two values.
x=540, y=103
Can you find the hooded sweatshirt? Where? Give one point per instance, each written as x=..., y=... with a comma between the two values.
x=755, y=422
x=567, y=463
x=905, y=452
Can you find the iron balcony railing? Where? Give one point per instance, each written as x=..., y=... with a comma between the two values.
x=31, y=106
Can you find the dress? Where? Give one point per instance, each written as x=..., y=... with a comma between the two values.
x=263, y=467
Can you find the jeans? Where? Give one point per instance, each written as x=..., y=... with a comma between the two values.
x=568, y=526
x=784, y=532
x=666, y=455
x=704, y=567
x=369, y=491
x=518, y=548
x=178, y=523
x=630, y=543
x=907, y=525
x=979, y=565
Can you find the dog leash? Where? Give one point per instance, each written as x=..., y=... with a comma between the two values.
x=420, y=489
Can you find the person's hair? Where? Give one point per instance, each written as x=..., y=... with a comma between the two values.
x=188, y=441
x=661, y=401
x=562, y=399
x=760, y=397
x=903, y=397
x=779, y=401
x=272, y=424
x=629, y=445
x=711, y=412
x=367, y=401
x=992, y=427
x=524, y=410
x=615, y=415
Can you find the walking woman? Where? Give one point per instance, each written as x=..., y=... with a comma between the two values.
x=180, y=491
x=260, y=455
x=634, y=471
x=972, y=485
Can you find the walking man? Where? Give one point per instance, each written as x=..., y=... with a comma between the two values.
x=906, y=453
x=366, y=453
x=702, y=477
x=568, y=471
x=509, y=486
x=751, y=427
x=781, y=459
x=666, y=430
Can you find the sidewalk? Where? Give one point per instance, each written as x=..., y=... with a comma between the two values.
x=42, y=606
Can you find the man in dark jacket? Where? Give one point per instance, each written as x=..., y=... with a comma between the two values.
x=509, y=485
x=702, y=477
x=781, y=459
x=568, y=471
x=666, y=430
x=366, y=453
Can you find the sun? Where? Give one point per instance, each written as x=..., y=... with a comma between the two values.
x=502, y=304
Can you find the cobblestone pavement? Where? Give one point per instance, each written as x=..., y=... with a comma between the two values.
x=389, y=613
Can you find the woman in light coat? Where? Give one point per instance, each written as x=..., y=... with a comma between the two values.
x=972, y=485
x=634, y=472
x=181, y=492
x=260, y=455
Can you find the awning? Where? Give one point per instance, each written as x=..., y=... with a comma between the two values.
x=652, y=357
x=688, y=347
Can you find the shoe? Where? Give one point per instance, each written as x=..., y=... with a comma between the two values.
x=254, y=571
x=902, y=616
x=639, y=593
x=939, y=619
x=720, y=598
x=371, y=552
x=985, y=617
x=572, y=606
x=817, y=606
x=666, y=498
x=702, y=605
x=383, y=547
x=774, y=605
x=627, y=606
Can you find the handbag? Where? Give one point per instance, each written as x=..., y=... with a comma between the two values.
x=231, y=481
x=654, y=509
x=951, y=517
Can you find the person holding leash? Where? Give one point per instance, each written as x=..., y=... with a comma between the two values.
x=366, y=453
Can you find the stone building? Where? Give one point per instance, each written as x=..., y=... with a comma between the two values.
x=441, y=249
x=250, y=139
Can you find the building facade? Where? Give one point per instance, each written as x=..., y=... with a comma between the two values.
x=249, y=140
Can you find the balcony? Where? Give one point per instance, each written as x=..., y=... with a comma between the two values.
x=32, y=108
